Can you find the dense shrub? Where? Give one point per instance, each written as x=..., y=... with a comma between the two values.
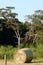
x=37, y=52
x=9, y=50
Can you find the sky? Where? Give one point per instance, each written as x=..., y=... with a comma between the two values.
x=23, y=7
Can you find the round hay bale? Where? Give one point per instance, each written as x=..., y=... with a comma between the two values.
x=23, y=55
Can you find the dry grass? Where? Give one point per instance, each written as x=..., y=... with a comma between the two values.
x=34, y=62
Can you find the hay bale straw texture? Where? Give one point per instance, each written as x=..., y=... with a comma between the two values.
x=23, y=55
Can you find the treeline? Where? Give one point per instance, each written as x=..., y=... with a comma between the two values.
x=16, y=33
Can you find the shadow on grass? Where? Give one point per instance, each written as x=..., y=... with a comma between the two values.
x=37, y=62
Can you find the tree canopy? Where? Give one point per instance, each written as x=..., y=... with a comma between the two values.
x=14, y=32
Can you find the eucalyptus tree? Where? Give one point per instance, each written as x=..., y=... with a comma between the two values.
x=12, y=22
x=36, y=27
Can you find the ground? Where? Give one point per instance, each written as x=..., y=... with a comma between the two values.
x=34, y=62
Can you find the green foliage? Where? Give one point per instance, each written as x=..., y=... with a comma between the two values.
x=9, y=51
x=40, y=41
x=2, y=51
x=37, y=51
x=30, y=33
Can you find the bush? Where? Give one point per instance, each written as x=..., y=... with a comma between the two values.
x=37, y=51
x=2, y=51
x=9, y=50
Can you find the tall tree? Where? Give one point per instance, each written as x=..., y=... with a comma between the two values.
x=36, y=25
x=12, y=22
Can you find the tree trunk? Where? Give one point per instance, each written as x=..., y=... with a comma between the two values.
x=19, y=41
x=18, y=37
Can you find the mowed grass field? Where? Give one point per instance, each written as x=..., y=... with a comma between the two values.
x=11, y=62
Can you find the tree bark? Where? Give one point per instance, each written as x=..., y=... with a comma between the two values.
x=19, y=41
x=18, y=37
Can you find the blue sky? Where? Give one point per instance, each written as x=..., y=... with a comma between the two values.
x=23, y=7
